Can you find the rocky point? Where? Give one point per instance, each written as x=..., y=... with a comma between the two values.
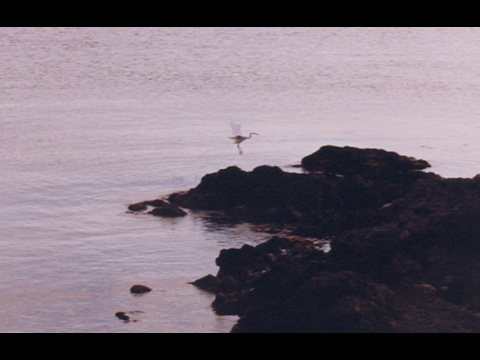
x=404, y=245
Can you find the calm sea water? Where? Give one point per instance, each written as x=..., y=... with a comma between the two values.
x=93, y=119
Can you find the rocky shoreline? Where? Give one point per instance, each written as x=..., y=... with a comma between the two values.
x=404, y=245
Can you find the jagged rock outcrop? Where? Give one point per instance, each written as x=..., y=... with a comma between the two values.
x=404, y=245
x=334, y=197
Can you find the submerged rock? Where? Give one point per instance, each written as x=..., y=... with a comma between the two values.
x=128, y=316
x=170, y=211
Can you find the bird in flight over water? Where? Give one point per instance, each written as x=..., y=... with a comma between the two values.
x=238, y=138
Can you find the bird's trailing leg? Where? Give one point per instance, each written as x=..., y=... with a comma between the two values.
x=240, y=151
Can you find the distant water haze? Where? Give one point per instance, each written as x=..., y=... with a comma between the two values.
x=94, y=119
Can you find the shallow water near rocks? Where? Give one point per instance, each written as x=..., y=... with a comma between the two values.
x=94, y=119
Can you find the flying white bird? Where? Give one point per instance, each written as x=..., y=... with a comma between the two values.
x=237, y=137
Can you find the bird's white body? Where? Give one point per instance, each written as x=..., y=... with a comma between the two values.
x=237, y=139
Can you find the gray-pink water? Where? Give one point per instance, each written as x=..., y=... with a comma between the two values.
x=93, y=119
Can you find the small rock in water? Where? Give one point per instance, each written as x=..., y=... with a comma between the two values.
x=137, y=207
x=160, y=208
x=122, y=316
x=139, y=289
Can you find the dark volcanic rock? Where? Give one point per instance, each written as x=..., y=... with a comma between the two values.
x=405, y=249
x=137, y=207
x=347, y=160
x=122, y=315
x=170, y=211
x=339, y=198
x=160, y=208
x=290, y=286
x=207, y=283
x=128, y=316
x=139, y=289
x=405, y=245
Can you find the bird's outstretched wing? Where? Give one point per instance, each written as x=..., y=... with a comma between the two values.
x=236, y=128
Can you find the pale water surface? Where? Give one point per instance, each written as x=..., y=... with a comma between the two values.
x=93, y=119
